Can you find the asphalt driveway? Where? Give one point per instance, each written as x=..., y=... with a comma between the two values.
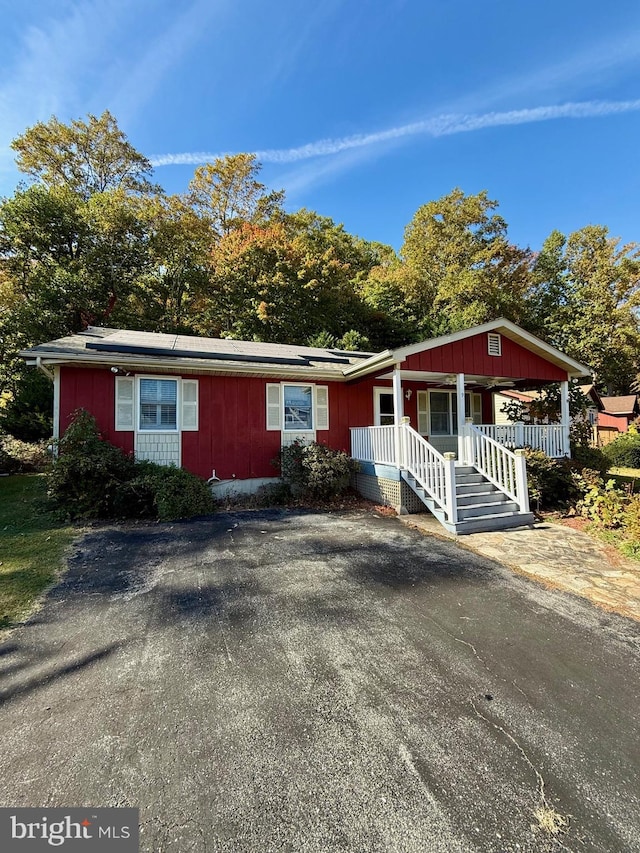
x=301, y=682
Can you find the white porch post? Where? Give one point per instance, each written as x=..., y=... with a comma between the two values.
x=398, y=412
x=565, y=417
x=461, y=417
x=522, y=490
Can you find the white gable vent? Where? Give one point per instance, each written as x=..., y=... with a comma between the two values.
x=494, y=344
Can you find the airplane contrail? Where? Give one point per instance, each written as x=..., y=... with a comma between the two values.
x=446, y=124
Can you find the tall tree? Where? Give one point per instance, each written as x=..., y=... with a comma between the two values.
x=460, y=269
x=228, y=194
x=286, y=280
x=587, y=293
x=178, y=246
x=84, y=157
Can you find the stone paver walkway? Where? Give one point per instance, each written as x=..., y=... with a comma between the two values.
x=558, y=556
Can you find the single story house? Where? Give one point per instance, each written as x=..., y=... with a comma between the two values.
x=617, y=414
x=418, y=418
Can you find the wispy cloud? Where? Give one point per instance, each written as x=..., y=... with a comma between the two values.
x=446, y=124
x=87, y=56
x=143, y=76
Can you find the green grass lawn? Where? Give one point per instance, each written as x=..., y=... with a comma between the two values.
x=626, y=476
x=32, y=544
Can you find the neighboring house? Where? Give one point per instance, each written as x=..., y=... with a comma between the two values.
x=617, y=414
x=223, y=408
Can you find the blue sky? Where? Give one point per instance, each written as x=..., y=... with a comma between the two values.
x=360, y=109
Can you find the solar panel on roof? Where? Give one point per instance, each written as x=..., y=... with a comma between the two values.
x=132, y=349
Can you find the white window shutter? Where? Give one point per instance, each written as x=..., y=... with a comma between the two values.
x=125, y=404
x=423, y=413
x=274, y=416
x=322, y=407
x=189, y=420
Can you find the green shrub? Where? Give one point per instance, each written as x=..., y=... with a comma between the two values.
x=93, y=479
x=23, y=457
x=604, y=504
x=550, y=482
x=632, y=519
x=88, y=471
x=624, y=452
x=315, y=470
x=589, y=457
x=166, y=493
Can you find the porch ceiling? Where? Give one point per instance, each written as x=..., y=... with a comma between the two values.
x=450, y=378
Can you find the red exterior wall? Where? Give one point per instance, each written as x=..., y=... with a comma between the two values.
x=232, y=438
x=92, y=389
x=619, y=422
x=470, y=356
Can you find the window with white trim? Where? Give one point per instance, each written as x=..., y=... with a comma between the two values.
x=298, y=407
x=158, y=405
x=383, y=410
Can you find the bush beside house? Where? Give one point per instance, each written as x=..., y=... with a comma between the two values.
x=315, y=471
x=93, y=479
x=624, y=452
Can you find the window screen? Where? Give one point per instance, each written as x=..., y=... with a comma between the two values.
x=158, y=404
x=298, y=409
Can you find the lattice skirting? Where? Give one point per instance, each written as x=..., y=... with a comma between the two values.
x=388, y=492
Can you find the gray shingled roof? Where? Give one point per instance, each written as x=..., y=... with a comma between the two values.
x=202, y=352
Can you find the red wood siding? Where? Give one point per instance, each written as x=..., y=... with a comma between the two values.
x=470, y=356
x=232, y=436
x=92, y=389
x=619, y=422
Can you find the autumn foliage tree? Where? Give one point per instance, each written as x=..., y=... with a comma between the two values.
x=90, y=239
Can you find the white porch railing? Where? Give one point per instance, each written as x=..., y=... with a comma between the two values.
x=434, y=472
x=552, y=439
x=405, y=448
x=374, y=444
x=506, y=469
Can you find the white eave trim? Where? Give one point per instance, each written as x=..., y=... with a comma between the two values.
x=184, y=365
x=376, y=362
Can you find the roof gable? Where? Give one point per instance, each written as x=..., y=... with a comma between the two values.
x=455, y=342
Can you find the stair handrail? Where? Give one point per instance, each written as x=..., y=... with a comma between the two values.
x=506, y=469
x=432, y=471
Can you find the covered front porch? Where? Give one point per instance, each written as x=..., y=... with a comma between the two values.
x=470, y=474
x=434, y=422
x=449, y=412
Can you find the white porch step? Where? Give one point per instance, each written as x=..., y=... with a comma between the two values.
x=504, y=521
x=482, y=506
x=494, y=508
x=469, y=479
x=471, y=488
x=486, y=496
